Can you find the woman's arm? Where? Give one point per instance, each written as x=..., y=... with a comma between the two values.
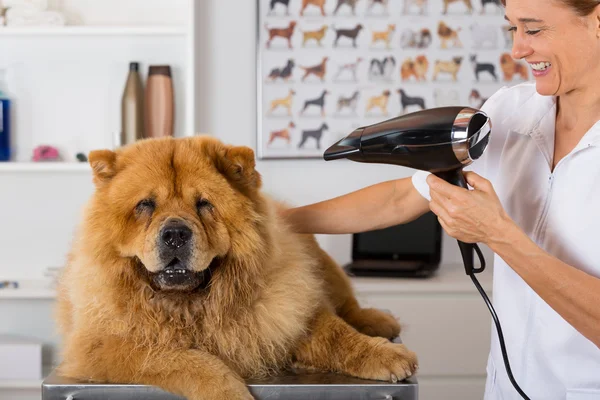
x=374, y=207
x=572, y=293
x=477, y=216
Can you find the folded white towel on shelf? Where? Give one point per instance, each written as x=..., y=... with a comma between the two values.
x=25, y=16
x=40, y=5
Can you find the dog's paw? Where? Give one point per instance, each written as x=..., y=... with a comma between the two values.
x=236, y=390
x=227, y=389
x=374, y=322
x=385, y=361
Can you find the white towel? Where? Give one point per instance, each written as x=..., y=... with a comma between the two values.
x=25, y=17
x=40, y=5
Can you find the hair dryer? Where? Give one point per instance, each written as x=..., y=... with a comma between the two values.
x=440, y=140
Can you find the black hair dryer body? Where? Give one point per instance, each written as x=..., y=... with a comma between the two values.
x=440, y=140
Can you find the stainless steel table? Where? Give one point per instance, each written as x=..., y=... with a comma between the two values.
x=295, y=385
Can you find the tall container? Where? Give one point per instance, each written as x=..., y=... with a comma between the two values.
x=132, y=107
x=5, y=143
x=160, y=103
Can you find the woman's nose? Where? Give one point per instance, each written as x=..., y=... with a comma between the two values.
x=521, y=47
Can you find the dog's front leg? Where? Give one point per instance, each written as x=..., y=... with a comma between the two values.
x=335, y=346
x=194, y=374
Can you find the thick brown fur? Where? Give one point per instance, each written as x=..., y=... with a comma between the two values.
x=275, y=299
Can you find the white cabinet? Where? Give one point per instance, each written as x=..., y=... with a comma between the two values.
x=445, y=321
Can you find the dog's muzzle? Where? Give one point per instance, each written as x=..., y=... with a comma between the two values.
x=177, y=276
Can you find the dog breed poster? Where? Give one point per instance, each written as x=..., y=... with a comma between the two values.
x=327, y=67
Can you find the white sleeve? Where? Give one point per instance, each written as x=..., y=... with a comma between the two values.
x=480, y=166
x=420, y=183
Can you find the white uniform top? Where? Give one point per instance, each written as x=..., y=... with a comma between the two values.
x=560, y=211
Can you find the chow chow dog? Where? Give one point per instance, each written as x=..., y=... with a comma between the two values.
x=183, y=275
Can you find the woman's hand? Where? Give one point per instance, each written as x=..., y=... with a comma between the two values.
x=471, y=216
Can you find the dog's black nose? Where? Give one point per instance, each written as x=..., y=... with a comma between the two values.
x=175, y=234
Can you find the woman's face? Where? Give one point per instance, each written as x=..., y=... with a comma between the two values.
x=562, y=48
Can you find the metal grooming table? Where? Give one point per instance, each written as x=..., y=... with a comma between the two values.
x=292, y=385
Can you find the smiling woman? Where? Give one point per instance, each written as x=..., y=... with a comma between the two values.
x=531, y=202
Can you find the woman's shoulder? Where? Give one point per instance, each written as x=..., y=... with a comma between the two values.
x=509, y=98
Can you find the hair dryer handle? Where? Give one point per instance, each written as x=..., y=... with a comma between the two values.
x=466, y=249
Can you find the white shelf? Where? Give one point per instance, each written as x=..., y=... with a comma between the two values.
x=26, y=384
x=44, y=166
x=93, y=30
x=449, y=278
x=28, y=289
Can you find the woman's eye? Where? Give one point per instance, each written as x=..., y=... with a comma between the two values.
x=533, y=32
x=203, y=204
x=146, y=205
x=512, y=28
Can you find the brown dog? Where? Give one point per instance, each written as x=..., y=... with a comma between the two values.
x=447, y=34
x=183, y=276
x=466, y=2
x=318, y=70
x=317, y=35
x=379, y=101
x=451, y=67
x=384, y=36
x=285, y=102
x=282, y=133
x=510, y=68
x=417, y=68
x=318, y=3
x=285, y=33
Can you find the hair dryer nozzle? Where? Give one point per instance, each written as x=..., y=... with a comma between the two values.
x=349, y=147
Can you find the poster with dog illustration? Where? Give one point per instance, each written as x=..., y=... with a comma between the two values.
x=327, y=67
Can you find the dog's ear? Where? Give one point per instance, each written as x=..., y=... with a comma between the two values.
x=238, y=165
x=103, y=163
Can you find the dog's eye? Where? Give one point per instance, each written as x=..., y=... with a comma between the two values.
x=203, y=204
x=146, y=205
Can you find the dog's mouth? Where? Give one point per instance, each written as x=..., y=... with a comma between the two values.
x=176, y=276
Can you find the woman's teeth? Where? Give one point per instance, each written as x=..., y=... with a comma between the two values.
x=540, y=66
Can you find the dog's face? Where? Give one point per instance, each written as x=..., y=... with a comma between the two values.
x=168, y=206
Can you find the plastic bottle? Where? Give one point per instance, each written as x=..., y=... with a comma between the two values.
x=132, y=107
x=160, y=106
x=5, y=144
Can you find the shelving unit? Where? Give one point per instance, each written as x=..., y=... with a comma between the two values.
x=66, y=85
x=45, y=167
x=32, y=289
x=67, y=81
x=23, y=385
x=94, y=31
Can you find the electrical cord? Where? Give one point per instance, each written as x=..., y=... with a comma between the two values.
x=496, y=322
